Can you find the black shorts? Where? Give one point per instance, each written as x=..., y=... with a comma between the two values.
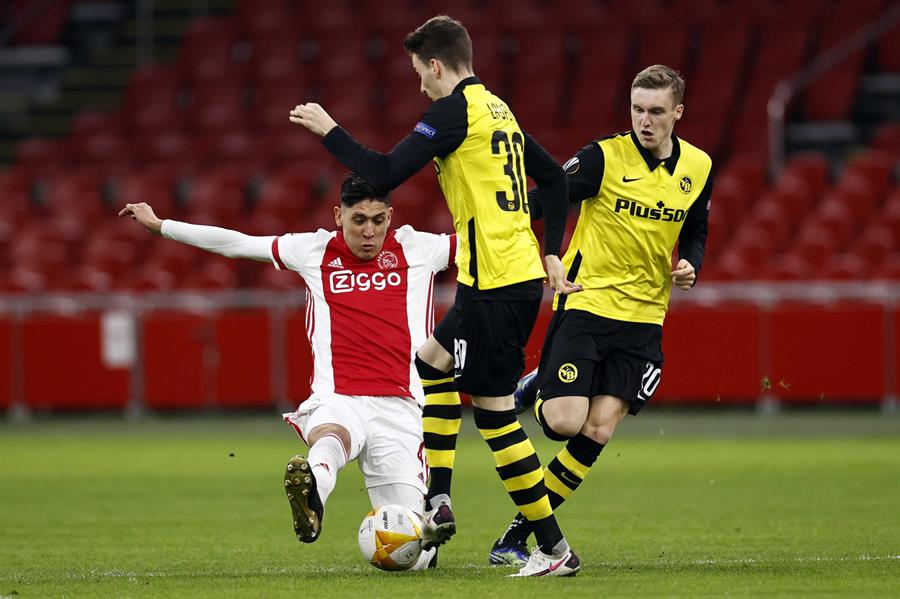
x=487, y=336
x=586, y=355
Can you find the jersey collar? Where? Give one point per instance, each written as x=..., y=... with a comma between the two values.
x=467, y=81
x=652, y=161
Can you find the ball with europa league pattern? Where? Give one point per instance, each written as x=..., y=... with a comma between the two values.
x=390, y=537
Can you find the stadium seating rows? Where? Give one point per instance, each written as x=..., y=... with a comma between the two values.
x=207, y=138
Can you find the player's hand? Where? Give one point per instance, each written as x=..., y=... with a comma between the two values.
x=556, y=275
x=684, y=276
x=313, y=117
x=143, y=214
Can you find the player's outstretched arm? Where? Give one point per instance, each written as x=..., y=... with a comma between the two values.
x=225, y=242
x=384, y=171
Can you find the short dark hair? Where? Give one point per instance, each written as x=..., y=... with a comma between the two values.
x=443, y=38
x=659, y=76
x=355, y=189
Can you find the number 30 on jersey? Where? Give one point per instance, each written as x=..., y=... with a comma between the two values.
x=514, y=168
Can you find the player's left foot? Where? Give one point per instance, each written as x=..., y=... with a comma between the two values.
x=511, y=549
x=508, y=553
x=306, y=507
x=541, y=564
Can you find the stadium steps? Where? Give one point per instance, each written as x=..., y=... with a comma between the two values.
x=877, y=102
x=97, y=81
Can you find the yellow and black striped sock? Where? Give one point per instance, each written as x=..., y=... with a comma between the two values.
x=440, y=423
x=562, y=476
x=567, y=470
x=520, y=470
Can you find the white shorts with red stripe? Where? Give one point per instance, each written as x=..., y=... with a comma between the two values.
x=385, y=434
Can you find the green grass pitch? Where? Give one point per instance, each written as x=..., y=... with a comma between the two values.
x=678, y=505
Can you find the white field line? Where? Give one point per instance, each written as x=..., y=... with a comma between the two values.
x=467, y=567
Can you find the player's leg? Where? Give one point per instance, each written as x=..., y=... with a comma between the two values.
x=393, y=459
x=622, y=383
x=490, y=339
x=568, y=365
x=335, y=436
x=442, y=414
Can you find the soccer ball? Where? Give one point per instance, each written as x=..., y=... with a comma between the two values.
x=390, y=537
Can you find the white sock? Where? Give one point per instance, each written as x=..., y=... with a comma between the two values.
x=326, y=458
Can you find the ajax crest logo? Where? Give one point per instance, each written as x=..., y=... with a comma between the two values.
x=387, y=261
x=568, y=372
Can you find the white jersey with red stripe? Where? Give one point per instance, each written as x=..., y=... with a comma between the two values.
x=365, y=319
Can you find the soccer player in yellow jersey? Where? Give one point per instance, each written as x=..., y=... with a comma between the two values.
x=481, y=155
x=641, y=193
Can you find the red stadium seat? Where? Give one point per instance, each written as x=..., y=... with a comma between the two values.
x=168, y=148
x=876, y=243
x=512, y=14
x=215, y=200
x=155, y=91
x=219, y=108
x=815, y=244
x=748, y=172
x=276, y=59
x=176, y=258
x=890, y=214
x=207, y=50
x=731, y=266
x=285, y=201
x=154, y=187
x=812, y=168
x=787, y=267
x=75, y=190
x=34, y=154
x=279, y=280
x=773, y=217
x=263, y=225
x=754, y=244
x=87, y=278
x=856, y=193
x=570, y=14
x=215, y=273
x=877, y=167
x=663, y=42
x=261, y=18
x=844, y=267
x=837, y=218
x=101, y=148
x=329, y=17
x=887, y=137
x=395, y=23
x=150, y=278
x=889, y=268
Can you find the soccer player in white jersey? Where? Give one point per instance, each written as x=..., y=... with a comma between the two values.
x=368, y=308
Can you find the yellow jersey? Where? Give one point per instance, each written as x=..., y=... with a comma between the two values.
x=621, y=251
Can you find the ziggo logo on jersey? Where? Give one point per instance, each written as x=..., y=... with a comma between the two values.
x=345, y=281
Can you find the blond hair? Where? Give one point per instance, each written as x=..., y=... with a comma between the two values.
x=659, y=76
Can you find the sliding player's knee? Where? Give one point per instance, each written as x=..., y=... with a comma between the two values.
x=332, y=429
